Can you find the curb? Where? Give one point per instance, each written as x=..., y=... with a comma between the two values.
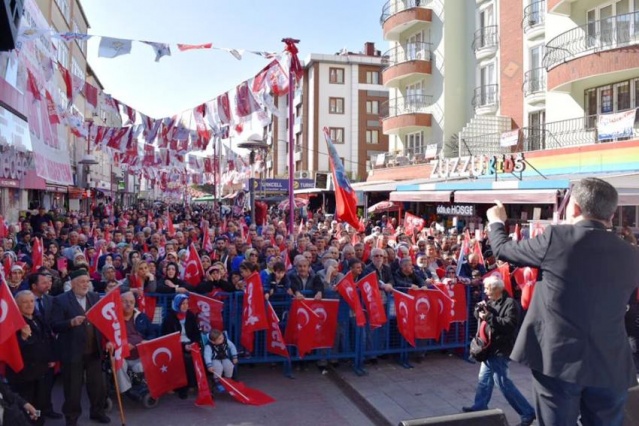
x=376, y=416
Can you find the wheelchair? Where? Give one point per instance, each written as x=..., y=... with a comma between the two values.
x=139, y=391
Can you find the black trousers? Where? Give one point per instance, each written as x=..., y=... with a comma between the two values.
x=73, y=377
x=35, y=393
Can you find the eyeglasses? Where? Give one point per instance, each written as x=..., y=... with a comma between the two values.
x=378, y=255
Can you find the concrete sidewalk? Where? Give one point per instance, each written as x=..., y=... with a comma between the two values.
x=436, y=386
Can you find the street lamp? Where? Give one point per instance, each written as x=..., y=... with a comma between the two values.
x=254, y=143
x=87, y=161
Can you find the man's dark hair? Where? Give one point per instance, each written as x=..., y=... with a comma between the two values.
x=596, y=198
x=279, y=267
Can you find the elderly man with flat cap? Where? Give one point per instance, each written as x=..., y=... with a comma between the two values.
x=79, y=350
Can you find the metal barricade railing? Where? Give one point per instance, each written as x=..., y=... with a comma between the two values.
x=355, y=344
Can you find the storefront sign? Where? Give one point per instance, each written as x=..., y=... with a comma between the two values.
x=281, y=185
x=9, y=183
x=52, y=188
x=14, y=164
x=476, y=166
x=509, y=138
x=456, y=210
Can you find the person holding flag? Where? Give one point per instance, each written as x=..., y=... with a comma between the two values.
x=220, y=357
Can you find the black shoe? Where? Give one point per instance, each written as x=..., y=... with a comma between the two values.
x=101, y=418
x=52, y=415
x=183, y=393
x=528, y=422
x=468, y=409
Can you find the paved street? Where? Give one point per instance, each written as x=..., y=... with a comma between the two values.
x=438, y=385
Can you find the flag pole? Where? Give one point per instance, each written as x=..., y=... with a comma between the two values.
x=292, y=49
x=117, y=389
x=227, y=383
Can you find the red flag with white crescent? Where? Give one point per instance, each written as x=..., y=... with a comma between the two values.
x=301, y=327
x=405, y=308
x=37, y=254
x=444, y=306
x=275, y=343
x=426, y=314
x=326, y=330
x=348, y=290
x=245, y=394
x=253, y=311
x=11, y=320
x=526, y=278
x=163, y=364
x=369, y=286
x=456, y=292
x=106, y=316
x=203, y=392
x=503, y=272
x=194, y=271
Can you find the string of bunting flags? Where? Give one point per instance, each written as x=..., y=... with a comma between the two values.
x=156, y=148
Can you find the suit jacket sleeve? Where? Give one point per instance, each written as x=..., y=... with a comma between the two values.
x=530, y=252
x=59, y=321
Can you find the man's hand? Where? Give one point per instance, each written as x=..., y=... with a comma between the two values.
x=387, y=287
x=497, y=213
x=318, y=295
x=25, y=332
x=76, y=321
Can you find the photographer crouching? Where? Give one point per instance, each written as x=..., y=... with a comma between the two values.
x=498, y=319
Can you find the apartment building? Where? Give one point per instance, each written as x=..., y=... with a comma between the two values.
x=344, y=93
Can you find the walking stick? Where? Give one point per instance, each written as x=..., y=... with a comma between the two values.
x=117, y=388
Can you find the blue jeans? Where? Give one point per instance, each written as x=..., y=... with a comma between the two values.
x=495, y=368
x=560, y=403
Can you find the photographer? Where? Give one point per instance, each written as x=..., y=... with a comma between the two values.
x=501, y=316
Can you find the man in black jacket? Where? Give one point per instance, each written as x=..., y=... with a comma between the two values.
x=573, y=337
x=501, y=317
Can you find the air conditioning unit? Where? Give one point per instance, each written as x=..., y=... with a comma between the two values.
x=303, y=174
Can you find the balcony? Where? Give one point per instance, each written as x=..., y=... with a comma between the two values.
x=406, y=114
x=404, y=62
x=400, y=15
x=486, y=99
x=598, y=37
x=420, y=154
x=534, y=86
x=534, y=22
x=485, y=42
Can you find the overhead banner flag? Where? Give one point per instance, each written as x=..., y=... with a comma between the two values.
x=113, y=47
x=616, y=126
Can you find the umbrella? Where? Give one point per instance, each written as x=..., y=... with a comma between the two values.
x=299, y=202
x=383, y=206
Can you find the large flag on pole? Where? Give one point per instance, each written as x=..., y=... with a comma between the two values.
x=107, y=316
x=163, y=364
x=345, y=198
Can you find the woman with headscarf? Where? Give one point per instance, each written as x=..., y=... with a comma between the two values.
x=180, y=319
x=171, y=282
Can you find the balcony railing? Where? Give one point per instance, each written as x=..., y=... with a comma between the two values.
x=534, y=15
x=407, y=157
x=395, y=6
x=596, y=36
x=485, y=37
x=409, y=104
x=534, y=81
x=485, y=96
x=408, y=52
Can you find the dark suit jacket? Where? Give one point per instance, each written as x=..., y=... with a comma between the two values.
x=71, y=340
x=574, y=329
x=47, y=303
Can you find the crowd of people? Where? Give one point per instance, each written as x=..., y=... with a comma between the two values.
x=146, y=248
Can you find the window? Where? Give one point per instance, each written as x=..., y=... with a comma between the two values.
x=63, y=54
x=336, y=134
x=605, y=99
x=415, y=47
x=616, y=97
x=590, y=107
x=63, y=5
x=372, y=136
x=372, y=107
x=336, y=75
x=488, y=90
x=536, y=135
x=76, y=70
x=622, y=96
x=336, y=105
x=413, y=143
x=372, y=77
x=415, y=95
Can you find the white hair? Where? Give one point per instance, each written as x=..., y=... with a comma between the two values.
x=494, y=281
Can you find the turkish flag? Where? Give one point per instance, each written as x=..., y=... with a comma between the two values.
x=11, y=355
x=348, y=290
x=526, y=279
x=301, y=327
x=207, y=244
x=426, y=314
x=275, y=343
x=369, y=286
x=413, y=223
x=405, y=308
x=478, y=253
x=184, y=47
x=444, y=306
x=11, y=319
x=7, y=263
x=208, y=311
x=503, y=272
x=253, y=311
x=287, y=259
x=37, y=254
x=457, y=292
x=203, y=392
x=170, y=229
x=244, y=394
x=106, y=316
x=194, y=271
x=326, y=330
x=163, y=364
x=3, y=228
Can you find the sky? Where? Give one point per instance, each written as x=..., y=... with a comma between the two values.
x=187, y=79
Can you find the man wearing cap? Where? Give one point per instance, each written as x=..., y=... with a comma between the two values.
x=79, y=350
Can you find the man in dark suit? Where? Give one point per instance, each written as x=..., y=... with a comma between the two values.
x=79, y=349
x=573, y=337
x=40, y=285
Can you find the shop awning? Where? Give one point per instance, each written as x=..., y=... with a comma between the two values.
x=519, y=196
x=309, y=191
x=628, y=197
x=421, y=196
